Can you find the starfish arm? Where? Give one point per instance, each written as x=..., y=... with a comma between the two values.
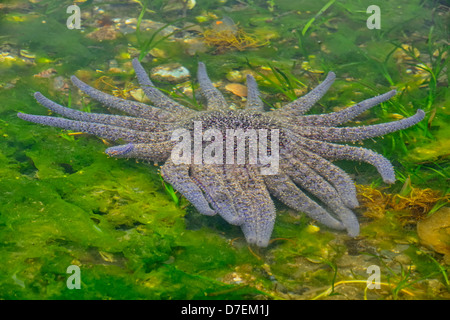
x=178, y=177
x=312, y=182
x=253, y=203
x=114, y=120
x=254, y=102
x=340, y=180
x=134, y=108
x=343, y=152
x=159, y=99
x=285, y=190
x=333, y=134
x=232, y=174
x=344, y=115
x=209, y=179
x=303, y=104
x=157, y=152
x=100, y=130
x=214, y=98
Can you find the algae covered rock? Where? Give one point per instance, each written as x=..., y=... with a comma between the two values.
x=434, y=232
x=172, y=72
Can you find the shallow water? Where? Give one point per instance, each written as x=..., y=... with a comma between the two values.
x=64, y=203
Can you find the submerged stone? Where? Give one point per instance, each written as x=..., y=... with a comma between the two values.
x=172, y=72
x=434, y=232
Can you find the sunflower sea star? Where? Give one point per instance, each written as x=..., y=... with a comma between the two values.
x=239, y=192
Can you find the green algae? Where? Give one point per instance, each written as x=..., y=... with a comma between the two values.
x=64, y=202
x=120, y=223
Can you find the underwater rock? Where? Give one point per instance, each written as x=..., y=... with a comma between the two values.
x=60, y=84
x=172, y=72
x=46, y=73
x=194, y=46
x=104, y=33
x=158, y=53
x=235, y=76
x=434, y=232
x=139, y=95
x=237, y=89
x=113, y=66
x=9, y=53
x=27, y=56
x=174, y=5
x=241, y=76
x=432, y=151
x=6, y=56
